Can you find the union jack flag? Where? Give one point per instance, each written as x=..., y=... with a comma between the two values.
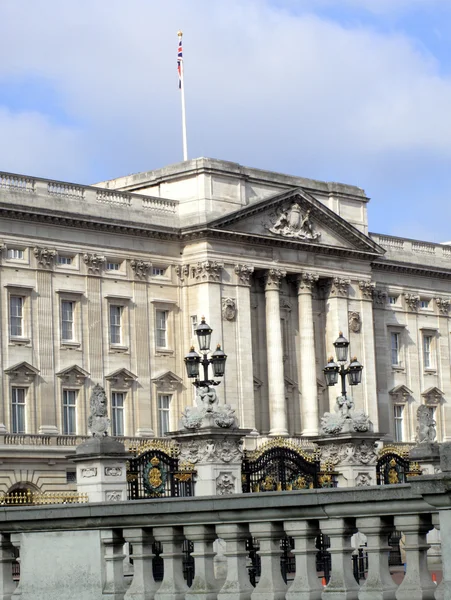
x=179, y=62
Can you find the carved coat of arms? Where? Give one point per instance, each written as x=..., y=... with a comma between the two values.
x=292, y=222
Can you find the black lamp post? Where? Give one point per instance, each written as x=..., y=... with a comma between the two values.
x=332, y=370
x=193, y=360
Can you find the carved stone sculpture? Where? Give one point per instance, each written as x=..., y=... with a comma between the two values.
x=228, y=309
x=363, y=480
x=182, y=272
x=225, y=484
x=140, y=268
x=367, y=288
x=412, y=301
x=443, y=305
x=340, y=287
x=45, y=257
x=426, y=431
x=354, y=321
x=379, y=297
x=98, y=421
x=345, y=418
x=208, y=412
x=352, y=453
x=209, y=270
x=94, y=262
x=244, y=273
x=224, y=451
x=291, y=222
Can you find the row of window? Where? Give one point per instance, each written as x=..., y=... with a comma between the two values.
x=425, y=303
x=427, y=350
x=17, y=322
x=69, y=412
x=64, y=259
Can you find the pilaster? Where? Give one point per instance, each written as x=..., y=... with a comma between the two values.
x=368, y=357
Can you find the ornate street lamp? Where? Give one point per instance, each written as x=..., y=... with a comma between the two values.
x=332, y=370
x=193, y=360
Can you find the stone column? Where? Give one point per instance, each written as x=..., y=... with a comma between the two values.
x=7, y=584
x=379, y=584
x=271, y=585
x=367, y=357
x=204, y=586
x=113, y=545
x=309, y=393
x=143, y=586
x=342, y=584
x=173, y=586
x=237, y=585
x=276, y=383
x=306, y=584
x=417, y=583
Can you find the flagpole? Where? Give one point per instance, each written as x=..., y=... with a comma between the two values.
x=182, y=90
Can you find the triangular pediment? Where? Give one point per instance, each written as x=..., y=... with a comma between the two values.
x=168, y=381
x=296, y=217
x=123, y=374
x=22, y=372
x=400, y=393
x=73, y=375
x=433, y=395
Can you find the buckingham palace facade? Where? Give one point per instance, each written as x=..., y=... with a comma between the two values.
x=106, y=284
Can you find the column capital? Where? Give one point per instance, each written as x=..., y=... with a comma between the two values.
x=367, y=289
x=305, y=282
x=244, y=273
x=340, y=287
x=208, y=270
x=273, y=278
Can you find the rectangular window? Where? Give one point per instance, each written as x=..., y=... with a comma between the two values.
x=395, y=348
x=398, y=414
x=164, y=403
x=67, y=320
x=158, y=271
x=18, y=410
x=193, y=324
x=64, y=260
x=393, y=299
x=16, y=304
x=161, y=328
x=16, y=253
x=115, y=324
x=112, y=266
x=117, y=413
x=424, y=303
x=69, y=412
x=427, y=351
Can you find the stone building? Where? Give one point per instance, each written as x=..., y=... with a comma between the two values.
x=106, y=283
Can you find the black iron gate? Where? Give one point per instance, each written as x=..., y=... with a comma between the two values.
x=279, y=465
x=393, y=466
x=154, y=472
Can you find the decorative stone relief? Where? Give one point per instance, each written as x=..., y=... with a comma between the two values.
x=94, y=263
x=73, y=376
x=345, y=418
x=355, y=323
x=89, y=472
x=113, y=471
x=244, y=273
x=306, y=281
x=363, y=480
x=340, y=287
x=45, y=257
x=224, y=451
x=121, y=378
x=412, y=301
x=426, y=432
x=98, y=422
x=291, y=222
x=168, y=382
x=273, y=278
x=225, y=484
x=228, y=309
x=140, y=268
x=114, y=496
x=182, y=272
x=353, y=453
x=207, y=271
x=379, y=297
x=22, y=373
x=433, y=396
x=443, y=305
x=400, y=394
x=208, y=412
x=367, y=288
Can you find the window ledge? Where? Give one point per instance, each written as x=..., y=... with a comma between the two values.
x=398, y=368
x=118, y=348
x=68, y=345
x=164, y=352
x=19, y=341
x=430, y=371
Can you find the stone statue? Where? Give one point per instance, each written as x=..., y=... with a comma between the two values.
x=98, y=421
x=207, y=398
x=426, y=431
x=208, y=412
x=345, y=419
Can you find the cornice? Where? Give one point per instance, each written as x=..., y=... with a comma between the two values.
x=409, y=269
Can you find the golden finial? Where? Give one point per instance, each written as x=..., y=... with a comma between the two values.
x=180, y=33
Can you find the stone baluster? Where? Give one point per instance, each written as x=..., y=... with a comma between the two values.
x=440, y=590
x=237, y=585
x=417, y=583
x=205, y=586
x=342, y=584
x=379, y=584
x=306, y=584
x=143, y=586
x=309, y=392
x=276, y=382
x=113, y=548
x=271, y=585
x=173, y=586
x=7, y=584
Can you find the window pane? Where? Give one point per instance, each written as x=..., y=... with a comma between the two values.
x=115, y=324
x=398, y=413
x=395, y=348
x=161, y=333
x=15, y=253
x=427, y=343
x=64, y=260
x=164, y=402
x=18, y=410
x=69, y=412
x=16, y=315
x=67, y=320
x=112, y=266
x=117, y=413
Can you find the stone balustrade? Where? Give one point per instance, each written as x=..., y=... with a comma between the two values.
x=77, y=552
x=65, y=441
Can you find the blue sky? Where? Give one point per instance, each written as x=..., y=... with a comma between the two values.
x=357, y=91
